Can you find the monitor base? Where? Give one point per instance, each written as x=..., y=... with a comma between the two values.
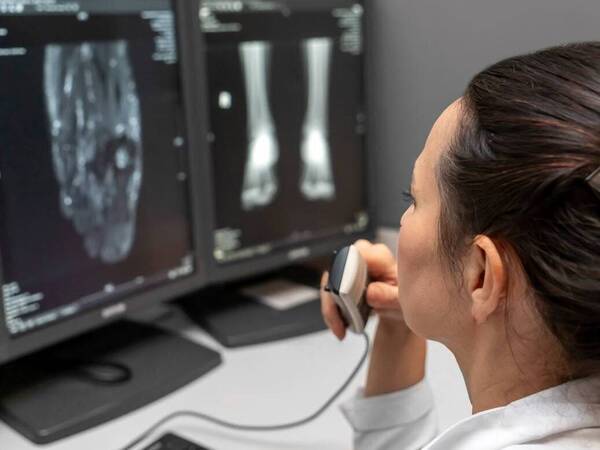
x=46, y=396
x=236, y=319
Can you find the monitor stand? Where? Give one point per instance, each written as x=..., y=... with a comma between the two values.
x=77, y=384
x=278, y=306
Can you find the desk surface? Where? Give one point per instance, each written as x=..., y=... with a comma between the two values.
x=264, y=384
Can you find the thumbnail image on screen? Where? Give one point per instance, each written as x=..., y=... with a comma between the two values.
x=93, y=166
x=287, y=122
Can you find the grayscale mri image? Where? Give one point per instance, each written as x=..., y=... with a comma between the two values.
x=94, y=116
x=94, y=170
x=285, y=83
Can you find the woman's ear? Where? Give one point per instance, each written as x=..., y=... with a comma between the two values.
x=486, y=278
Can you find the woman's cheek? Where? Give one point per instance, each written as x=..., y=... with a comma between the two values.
x=417, y=280
x=410, y=250
x=408, y=268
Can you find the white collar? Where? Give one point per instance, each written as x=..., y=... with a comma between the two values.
x=570, y=406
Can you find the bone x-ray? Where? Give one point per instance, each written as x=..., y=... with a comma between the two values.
x=93, y=165
x=260, y=179
x=286, y=121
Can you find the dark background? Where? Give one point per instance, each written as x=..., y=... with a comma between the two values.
x=40, y=248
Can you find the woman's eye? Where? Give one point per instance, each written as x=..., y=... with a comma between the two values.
x=408, y=197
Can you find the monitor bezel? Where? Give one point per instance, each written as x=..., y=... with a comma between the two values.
x=12, y=347
x=222, y=272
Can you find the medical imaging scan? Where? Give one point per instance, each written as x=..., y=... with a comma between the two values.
x=285, y=80
x=94, y=117
x=317, y=181
x=94, y=188
x=260, y=182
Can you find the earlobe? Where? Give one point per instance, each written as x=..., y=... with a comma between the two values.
x=487, y=283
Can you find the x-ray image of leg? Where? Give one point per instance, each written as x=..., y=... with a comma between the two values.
x=95, y=126
x=317, y=180
x=260, y=182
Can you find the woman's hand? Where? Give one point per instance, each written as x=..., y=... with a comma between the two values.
x=398, y=355
x=382, y=292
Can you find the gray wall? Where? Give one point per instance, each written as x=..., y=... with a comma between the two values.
x=425, y=51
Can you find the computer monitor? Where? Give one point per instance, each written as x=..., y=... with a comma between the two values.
x=286, y=129
x=288, y=157
x=99, y=208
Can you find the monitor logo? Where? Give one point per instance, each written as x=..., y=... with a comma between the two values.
x=298, y=253
x=114, y=310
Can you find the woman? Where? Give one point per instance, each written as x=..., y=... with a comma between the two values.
x=499, y=260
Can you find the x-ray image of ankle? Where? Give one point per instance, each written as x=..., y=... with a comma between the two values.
x=317, y=180
x=95, y=126
x=260, y=181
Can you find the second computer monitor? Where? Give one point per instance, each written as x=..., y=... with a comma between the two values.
x=286, y=127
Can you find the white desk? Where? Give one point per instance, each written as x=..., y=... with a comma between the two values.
x=263, y=384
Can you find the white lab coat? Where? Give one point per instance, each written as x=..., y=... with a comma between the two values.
x=565, y=417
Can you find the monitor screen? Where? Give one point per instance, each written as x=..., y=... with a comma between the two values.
x=93, y=161
x=286, y=123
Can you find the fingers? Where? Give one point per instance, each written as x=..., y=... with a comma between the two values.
x=330, y=312
x=382, y=295
x=379, y=259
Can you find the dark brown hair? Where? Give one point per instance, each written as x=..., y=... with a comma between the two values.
x=530, y=135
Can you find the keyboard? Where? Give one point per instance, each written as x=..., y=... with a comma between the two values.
x=170, y=441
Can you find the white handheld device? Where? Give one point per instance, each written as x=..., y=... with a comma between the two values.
x=348, y=281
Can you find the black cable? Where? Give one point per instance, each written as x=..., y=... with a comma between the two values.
x=196, y=415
